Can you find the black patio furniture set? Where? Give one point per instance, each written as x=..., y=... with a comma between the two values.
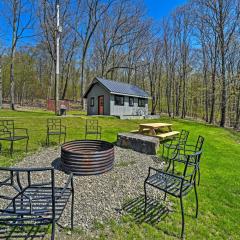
x=42, y=203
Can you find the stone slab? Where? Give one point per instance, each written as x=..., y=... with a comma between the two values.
x=138, y=142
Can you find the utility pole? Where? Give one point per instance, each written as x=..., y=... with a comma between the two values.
x=1, y=82
x=58, y=31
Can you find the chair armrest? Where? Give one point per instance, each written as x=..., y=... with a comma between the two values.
x=21, y=129
x=164, y=173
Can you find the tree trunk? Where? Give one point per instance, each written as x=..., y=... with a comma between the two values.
x=237, y=120
x=213, y=98
x=222, y=50
x=81, y=80
x=13, y=51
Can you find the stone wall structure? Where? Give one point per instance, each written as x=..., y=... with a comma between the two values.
x=139, y=143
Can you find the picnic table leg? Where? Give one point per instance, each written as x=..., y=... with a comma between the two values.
x=152, y=132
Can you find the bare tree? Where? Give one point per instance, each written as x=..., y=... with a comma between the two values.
x=95, y=9
x=19, y=20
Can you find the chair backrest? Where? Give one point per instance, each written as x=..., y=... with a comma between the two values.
x=192, y=161
x=6, y=126
x=199, y=143
x=183, y=135
x=91, y=125
x=54, y=124
x=24, y=186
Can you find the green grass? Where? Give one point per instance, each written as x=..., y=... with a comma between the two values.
x=219, y=192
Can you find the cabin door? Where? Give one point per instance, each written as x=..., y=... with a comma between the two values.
x=100, y=105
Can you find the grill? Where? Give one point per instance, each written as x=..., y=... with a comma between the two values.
x=87, y=157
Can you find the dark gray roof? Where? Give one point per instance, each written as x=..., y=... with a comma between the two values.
x=116, y=87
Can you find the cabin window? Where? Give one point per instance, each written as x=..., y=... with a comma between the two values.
x=141, y=102
x=119, y=100
x=131, y=101
x=92, y=102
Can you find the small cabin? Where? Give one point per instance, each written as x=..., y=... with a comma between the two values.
x=108, y=97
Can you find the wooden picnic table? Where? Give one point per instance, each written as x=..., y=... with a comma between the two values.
x=152, y=127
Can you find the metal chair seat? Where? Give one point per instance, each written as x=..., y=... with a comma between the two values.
x=13, y=138
x=169, y=184
x=55, y=133
x=41, y=205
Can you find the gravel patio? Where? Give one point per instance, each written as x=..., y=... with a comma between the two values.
x=100, y=197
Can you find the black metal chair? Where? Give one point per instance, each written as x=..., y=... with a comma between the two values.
x=35, y=201
x=92, y=128
x=183, y=150
x=174, y=184
x=55, y=127
x=8, y=132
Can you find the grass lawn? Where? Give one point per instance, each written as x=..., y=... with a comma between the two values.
x=219, y=191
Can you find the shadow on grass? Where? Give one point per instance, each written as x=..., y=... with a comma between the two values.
x=30, y=232
x=155, y=211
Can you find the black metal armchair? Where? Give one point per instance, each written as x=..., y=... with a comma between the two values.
x=8, y=132
x=55, y=127
x=92, y=128
x=34, y=202
x=174, y=184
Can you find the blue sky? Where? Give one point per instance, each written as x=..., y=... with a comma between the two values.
x=158, y=9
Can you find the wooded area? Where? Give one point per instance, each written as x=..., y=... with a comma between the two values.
x=189, y=62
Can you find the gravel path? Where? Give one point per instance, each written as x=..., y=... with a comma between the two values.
x=99, y=197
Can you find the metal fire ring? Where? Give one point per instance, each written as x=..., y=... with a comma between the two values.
x=87, y=157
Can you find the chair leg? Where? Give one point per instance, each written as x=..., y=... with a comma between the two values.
x=27, y=145
x=53, y=230
x=64, y=137
x=196, y=195
x=145, y=198
x=59, y=139
x=165, y=195
x=47, y=140
x=72, y=210
x=169, y=165
x=11, y=148
x=199, y=175
x=173, y=167
x=182, y=211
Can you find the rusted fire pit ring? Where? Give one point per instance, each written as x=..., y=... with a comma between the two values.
x=87, y=157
